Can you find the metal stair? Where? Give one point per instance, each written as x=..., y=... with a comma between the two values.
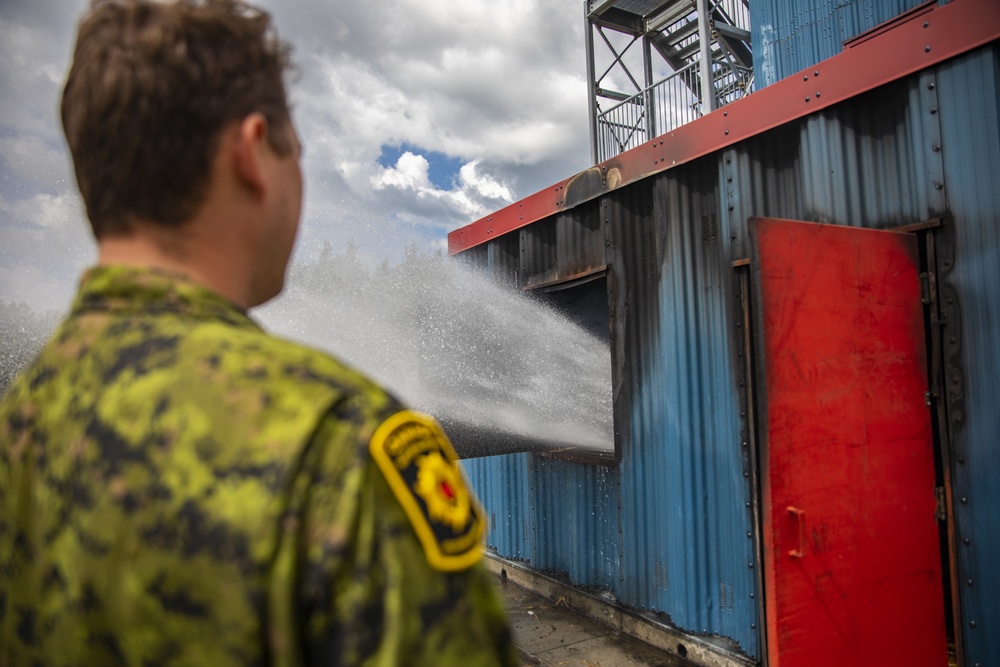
x=693, y=40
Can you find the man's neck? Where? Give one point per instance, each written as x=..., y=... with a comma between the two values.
x=149, y=246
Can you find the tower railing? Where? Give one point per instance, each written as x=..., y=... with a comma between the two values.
x=666, y=105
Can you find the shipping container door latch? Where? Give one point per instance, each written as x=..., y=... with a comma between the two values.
x=929, y=396
x=928, y=287
x=942, y=506
x=928, y=296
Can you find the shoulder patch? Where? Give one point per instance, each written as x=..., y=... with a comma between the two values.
x=421, y=466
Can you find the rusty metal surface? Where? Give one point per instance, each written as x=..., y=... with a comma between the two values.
x=564, y=247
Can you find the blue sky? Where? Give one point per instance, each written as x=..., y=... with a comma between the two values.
x=442, y=169
x=418, y=116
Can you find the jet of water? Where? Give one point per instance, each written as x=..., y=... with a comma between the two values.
x=490, y=362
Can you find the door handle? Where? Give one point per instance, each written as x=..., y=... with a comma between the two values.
x=800, y=516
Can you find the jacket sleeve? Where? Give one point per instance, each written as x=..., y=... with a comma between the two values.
x=368, y=594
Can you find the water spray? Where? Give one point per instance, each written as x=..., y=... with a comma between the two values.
x=502, y=371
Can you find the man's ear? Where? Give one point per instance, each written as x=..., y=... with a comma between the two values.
x=250, y=144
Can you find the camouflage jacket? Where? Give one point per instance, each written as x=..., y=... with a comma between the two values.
x=179, y=488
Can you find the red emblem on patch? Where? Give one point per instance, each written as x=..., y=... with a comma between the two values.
x=422, y=469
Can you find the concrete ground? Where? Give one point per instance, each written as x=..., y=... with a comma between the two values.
x=551, y=633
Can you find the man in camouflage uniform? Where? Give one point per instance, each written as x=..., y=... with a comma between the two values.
x=176, y=486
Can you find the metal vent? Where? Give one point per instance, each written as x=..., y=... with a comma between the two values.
x=709, y=227
x=661, y=576
x=725, y=597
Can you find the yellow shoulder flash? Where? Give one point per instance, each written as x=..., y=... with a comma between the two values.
x=421, y=466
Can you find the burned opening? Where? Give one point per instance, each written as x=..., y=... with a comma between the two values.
x=584, y=302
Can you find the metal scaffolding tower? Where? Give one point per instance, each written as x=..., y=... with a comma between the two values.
x=694, y=56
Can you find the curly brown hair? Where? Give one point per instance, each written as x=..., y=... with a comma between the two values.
x=151, y=87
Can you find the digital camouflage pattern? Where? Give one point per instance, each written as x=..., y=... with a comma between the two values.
x=179, y=488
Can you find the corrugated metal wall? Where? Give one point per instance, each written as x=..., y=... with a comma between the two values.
x=870, y=162
x=790, y=35
x=669, y=528
x=557, y=515
x=575, y=506
x=687, y=545
x=970, y=138
x=504, y=486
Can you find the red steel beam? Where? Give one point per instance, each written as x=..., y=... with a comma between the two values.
x=923, y=40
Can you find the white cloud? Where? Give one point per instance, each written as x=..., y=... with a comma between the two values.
x=484, y=185
x=410, y=173
x=474, y=194
x=499, y=86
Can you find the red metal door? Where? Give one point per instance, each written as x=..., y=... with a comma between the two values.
x=851, y=555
